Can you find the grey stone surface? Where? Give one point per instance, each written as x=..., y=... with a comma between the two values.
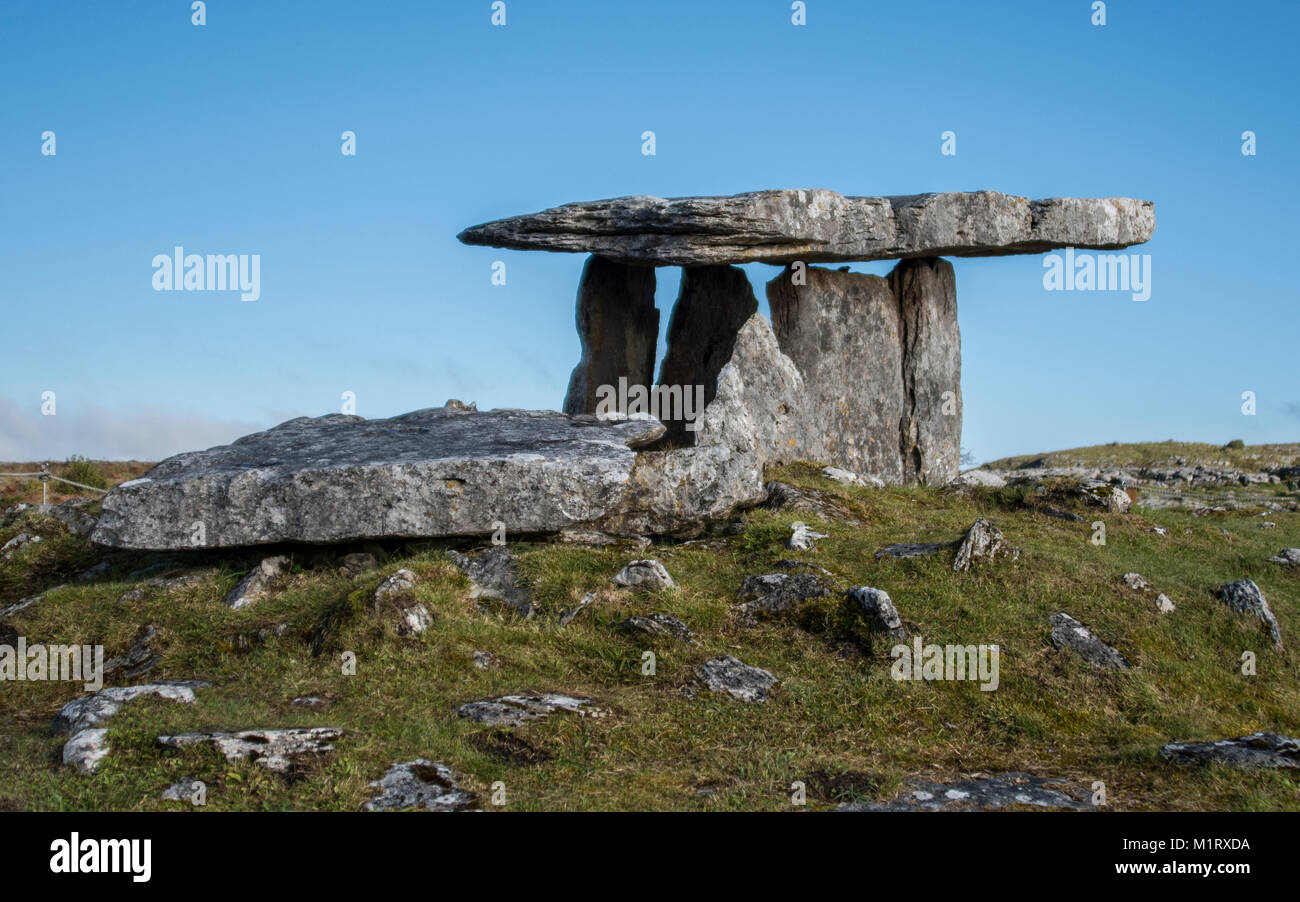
x=980, y=794
x=618, y=326
x=739, y=680
x=772, y=593
x=21, y=604
x=1288, y=556
x=419, y=784
x=85, y=749
x=713, y=303
x=783, y=496
x=985, y=478
x=816, y=225
x=644, y=574
x=337, y=478
x=180, y=791
x=398, y=584
x=514, y=710
x=492, y=575
x=844, y=477
x=1070, y=633
x=276, y=750
x=926, y=290
x=139, y=657
x=906, y=550
x=415, y=620
x=1244, y=597
x=568, y=616
x=878, y=609
x=803, y=537
x=656, y=624
x=257, y=582
x=982, y=542
x=89, y=710
x=1258, y=750
x=1135, y=581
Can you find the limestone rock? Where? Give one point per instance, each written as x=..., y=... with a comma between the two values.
x=23, y=539
x=255, y=585
x=1244, y=597
x=980, y=794
x=817, y=225
x=89, y=710
x=783, y=496
x=276, y=750
x=415, y=620
x=878, y=609
x=139, y=657
x=907, y=550
x=1258, y=750
x=1288, y=556
x=1070, y=633
x=86, y=749
x=803, y=538
x=397, y=585
x=568, y=616
x=337, y=478
x=739, y=680
x=844, y=477
x=20, y=605
x=644, y=574
x=979, y=478
x=773, y=593
x=714, y=302
x=181, y=791
x=1135, y=581
x=983, y=541
x=656, y=624
x=1164, y=605
x=513, y=710
x=926, y=293
x=618, y=326
x=492, y=575
x=419, y=784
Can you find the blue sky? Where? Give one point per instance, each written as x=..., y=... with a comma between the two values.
x=226, y=139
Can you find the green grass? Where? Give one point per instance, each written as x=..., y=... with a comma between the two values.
x=836, y=720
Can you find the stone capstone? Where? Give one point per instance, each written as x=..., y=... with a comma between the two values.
x=819, y=226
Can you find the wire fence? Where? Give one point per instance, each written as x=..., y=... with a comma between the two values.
x=44, y=475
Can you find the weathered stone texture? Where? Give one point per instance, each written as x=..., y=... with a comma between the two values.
x=618, y=326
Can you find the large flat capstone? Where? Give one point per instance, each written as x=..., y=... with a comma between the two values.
x=437, y=472
x=816, y=225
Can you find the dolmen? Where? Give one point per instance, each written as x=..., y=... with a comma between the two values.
x=854, y=370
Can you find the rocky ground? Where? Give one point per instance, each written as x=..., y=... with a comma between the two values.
x=746, y=669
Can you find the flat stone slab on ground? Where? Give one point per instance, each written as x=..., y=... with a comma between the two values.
x=981, y=793
x=736, y=678
x=1070, y=633
x=1258, y=750
x=817, y=225
x=89, y=710
x=513, y=710
x=275, y=750
x=419, y=784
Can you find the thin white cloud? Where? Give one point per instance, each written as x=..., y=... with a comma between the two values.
x=136, y=433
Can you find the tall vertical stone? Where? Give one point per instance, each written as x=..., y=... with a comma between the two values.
x=844, y=333
x=926, y=290
x=712, y=305
x=619, y=329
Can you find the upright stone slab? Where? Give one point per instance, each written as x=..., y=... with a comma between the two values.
x=926, y=290
x=712, y=305
x=619, y=329
x=844, y=332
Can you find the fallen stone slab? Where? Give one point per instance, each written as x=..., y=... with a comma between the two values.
x=515, y=710
x=254, y=586
x=1244, y=597
x=979, y=794
x=908, y=550
x=88, y=710
x=1070, y=633
x=644, y=574
x=419, y=784
x=816, y=225
x=1258, y=750
x=492, y=575
x=772, y=593
x=1135, y=581
x=656, y=625
x=879, y=611
x=736, y=678
x=276, y=750
x=86, y=749
x=438, y=472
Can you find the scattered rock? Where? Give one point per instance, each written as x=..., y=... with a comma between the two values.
x=397, y=585
x=1158, y=530
x=8, y=549
x=492, y=575
x=656, y=625
x=783, y=496
x=86, y=749
x=802, y=538
x=21, y=604
x=981, y=793
x=983, y=541
x=1244, y=597
x=310, y=701
x=986, y=478
x=419, y=784
x=180, y=791
x=1070, y=633
x=644, y=574
x=88, y=710
x=773, y=593
x=255, y=585
x=567, y=617
x=1288, y=556
x=1258, y=750
x=879, y=610
x=276, y=750
x=906, y=550
x=484, y=660
x=514, y=710
x=737, y=679
x=139, y=658
x=1059, y=514
x=415, y=620
x=845, y=477
x=1135, y=581
x=1163, y=604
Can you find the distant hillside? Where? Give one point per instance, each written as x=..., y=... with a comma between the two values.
x=1159, y=454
